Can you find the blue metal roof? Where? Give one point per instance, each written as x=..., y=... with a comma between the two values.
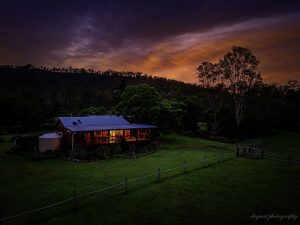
x=105, y=122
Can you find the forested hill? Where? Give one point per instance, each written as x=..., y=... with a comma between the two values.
x=31, y=95
x=41, y=78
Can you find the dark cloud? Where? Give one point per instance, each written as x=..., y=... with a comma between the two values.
x=120, y=34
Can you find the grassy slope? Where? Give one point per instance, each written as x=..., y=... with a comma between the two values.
x=284, y=143
x=222, y=193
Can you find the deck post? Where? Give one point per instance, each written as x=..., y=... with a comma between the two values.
x=237, y=152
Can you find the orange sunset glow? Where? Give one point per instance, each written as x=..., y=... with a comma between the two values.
x=171, y=46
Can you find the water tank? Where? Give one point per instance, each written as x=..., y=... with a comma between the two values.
x=49, y=142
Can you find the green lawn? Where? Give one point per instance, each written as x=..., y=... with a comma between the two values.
x=278, y=142
x=224, y=193
x=284, y=143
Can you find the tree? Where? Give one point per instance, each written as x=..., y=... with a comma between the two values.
x=214, y=102
x=208, y=74
x=139, y=102
x=142, y=103
x=170, y=114
x=239, y=74
x=236, y=73
x=93, y=111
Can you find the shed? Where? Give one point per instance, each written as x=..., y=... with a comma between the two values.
x=49, y=141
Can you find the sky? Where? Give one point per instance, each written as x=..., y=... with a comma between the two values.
x=168, y=38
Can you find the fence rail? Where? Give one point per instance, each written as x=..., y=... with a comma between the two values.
x=158, y=173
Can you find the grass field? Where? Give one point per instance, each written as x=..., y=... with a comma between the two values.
x=284, y=143
x=224, y=193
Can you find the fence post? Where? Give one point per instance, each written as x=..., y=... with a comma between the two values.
x=158, y=174
x=237, y=152
x=290, y=159
x=184, y=166
x=75, y=199
x=221, y=156
x=262, y=154
x=205, y=161
x=126, y=184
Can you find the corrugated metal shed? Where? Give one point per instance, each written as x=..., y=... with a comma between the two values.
x=105, y=122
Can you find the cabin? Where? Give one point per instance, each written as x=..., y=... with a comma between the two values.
x=101, y=130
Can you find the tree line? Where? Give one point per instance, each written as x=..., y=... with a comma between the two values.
x=230, y=99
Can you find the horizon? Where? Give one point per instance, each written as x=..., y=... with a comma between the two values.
x=98, y=72
x=157, y=38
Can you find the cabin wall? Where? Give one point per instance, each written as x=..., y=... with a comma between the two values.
x=103, y=136
x=66, y=135
x=113, y=136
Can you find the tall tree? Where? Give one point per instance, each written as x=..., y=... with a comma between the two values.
x=239, y=74
x=209, y=76
x=214, y=103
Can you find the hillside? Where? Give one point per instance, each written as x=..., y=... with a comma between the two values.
x=31, y=95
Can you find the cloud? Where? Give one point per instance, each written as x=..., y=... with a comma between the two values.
x=273, y=40
x=166, y=38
